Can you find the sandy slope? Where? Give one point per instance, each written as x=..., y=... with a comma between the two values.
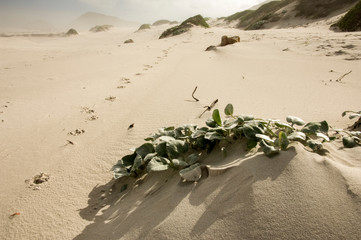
x=46, y=82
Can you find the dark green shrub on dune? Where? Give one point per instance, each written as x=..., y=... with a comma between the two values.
x=197, y=20
x=71, y=31
x=351, y=21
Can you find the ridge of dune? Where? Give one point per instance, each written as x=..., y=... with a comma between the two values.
x=48, y=84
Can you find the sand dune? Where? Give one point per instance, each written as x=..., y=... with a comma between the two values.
x=52, y=86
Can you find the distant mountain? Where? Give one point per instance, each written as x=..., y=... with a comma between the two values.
x=91, y=19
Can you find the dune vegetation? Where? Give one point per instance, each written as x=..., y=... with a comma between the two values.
x=270, y=12
x=161, y=22
x=351, y=21
x=197, y=20
x=182, y=148
x=100, y=28
x=144, y=26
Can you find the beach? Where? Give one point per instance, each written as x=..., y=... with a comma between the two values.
x=66, y=104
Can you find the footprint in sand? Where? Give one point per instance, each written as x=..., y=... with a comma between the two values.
x=147, y=67
x=76, y=132
x=90, y=112
x=125, y=80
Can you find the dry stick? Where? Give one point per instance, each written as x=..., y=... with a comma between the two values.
x=340, y=78
x=208, y=108
x=193, y=94
x=70, y=142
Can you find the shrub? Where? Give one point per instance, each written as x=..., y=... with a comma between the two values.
x=101, y=28
x=144, y=26
x=352, y=20
x=71, y=31
x=197, y=20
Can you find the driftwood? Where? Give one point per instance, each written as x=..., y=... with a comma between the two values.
x=340, y=78
x=193, y=94
x=208, y=108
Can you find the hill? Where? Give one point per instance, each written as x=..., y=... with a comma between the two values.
x=91, y=19
x=273, y=12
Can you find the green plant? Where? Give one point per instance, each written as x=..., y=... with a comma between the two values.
x=144, y=26
x=181, y=148
x=351, y=138
x=197, y=20
x=352, y=20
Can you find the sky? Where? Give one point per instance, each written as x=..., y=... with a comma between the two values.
x=57, y=12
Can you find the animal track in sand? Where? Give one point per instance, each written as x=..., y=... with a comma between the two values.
x=90, y=111
x=110, y=98
x=76, y=132
x=2, y=112
x=125, y=80
x=147, y=67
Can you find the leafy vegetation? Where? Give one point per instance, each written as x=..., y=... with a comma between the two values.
x=181, y=148
x=197, y=20
x=352, y=20
x=352, y=138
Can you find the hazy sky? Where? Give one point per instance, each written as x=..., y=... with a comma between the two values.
x=142, y=11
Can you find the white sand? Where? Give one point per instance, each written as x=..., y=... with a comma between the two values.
x=45, y=83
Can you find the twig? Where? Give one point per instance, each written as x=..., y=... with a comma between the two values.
x=193, y=94
x=340, y=78
x=70, y=142
x=208, y=108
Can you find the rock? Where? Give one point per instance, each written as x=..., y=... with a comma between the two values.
x=229, y=40
x=211, y=48
x=129, y=41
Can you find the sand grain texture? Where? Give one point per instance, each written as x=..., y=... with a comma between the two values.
x=46, y=83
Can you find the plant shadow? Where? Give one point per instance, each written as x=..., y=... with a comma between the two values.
x=140, y=208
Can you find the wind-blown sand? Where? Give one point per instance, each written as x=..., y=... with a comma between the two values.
x=47, y=84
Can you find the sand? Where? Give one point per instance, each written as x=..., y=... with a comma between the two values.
x=96, y=84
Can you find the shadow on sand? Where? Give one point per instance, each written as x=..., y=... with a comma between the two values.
x=130, y=208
